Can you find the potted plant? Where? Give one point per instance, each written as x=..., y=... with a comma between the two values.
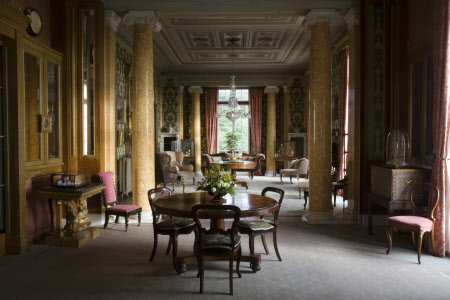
x=217, y=182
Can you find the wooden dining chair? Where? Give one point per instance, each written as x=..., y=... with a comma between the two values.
x=112, y=207
x=216, y=241
x=172, y=227
x=262, y=226
x=421, y=220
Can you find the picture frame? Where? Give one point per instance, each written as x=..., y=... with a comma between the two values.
x=46, y=123
x=120, y=111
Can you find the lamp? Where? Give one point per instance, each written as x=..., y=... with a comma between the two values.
x=233, y=111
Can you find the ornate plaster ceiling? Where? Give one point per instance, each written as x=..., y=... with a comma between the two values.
x=213, y=36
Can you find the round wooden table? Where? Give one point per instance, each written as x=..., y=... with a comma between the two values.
x=181, y=205
x=237, y=166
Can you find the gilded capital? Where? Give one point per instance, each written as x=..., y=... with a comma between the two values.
x=195, y=89
x=112, y=19
x=352, y=17
x=142, y=17
x=269, y=89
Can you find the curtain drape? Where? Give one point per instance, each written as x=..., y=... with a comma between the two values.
x=211, y=96
x=255, y=101
x=342, y=113
x=441, y=110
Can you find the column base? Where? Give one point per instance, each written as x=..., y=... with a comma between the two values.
x=198, y=173
x=350, y=214
x=319, y=217
x=269, y=173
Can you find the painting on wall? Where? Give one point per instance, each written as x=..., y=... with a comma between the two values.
x=46, y=123
x=120, y=111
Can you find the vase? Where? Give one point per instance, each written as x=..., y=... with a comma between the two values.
x=218, y=196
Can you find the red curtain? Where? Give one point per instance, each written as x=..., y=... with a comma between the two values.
x=211, y=95
x=441, y=114
x=255, y=101
x=342, y=112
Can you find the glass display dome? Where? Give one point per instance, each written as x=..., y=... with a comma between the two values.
x=396, y=148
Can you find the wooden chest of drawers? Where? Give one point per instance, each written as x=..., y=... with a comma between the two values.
x=395, y=184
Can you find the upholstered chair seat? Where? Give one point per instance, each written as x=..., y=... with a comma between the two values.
x=124, y=208
x=219, y=241
x=257, y=224
x=174, y=224
x=411, y=223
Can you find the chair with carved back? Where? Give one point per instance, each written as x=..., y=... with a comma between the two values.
x=421, y=220
x=262, y=226
x=110, y=202
x=216, y=241
x=172, y=227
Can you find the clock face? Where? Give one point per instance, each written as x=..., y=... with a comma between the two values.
x=35, y=27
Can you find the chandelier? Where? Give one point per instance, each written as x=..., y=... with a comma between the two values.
x=233, y=111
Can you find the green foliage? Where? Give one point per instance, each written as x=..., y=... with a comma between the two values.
x=217, y=181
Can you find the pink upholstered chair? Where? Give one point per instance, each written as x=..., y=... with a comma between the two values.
x=110, y=202
x=416, y=224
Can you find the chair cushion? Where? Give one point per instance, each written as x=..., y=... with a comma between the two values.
x=294, y=164
x=289, y=171
x=124, y=208
x=219, y=241
x=187, y=174
x=256, y=224
x=174, y=224
x=410, y=223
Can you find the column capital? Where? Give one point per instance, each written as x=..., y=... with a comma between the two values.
x=195, y=89
x=352, y=17
x=112, y=19
x=181, y=89
x=269, y=89
x=285, y=88
x=322, y=16
x=142, y=17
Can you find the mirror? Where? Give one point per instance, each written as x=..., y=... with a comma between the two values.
x=32, y=65
x=88, y=112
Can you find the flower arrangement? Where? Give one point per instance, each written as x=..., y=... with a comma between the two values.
x=217, y=182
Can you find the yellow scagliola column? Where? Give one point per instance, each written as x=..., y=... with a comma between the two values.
x=196, y=91
x=143, y=131
x=271, y=127
x=320, y=207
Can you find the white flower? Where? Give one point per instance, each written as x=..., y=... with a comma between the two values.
x=213, y=190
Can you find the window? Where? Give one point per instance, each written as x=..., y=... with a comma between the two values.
x=242, y=126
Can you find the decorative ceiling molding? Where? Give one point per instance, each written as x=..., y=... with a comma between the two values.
x=352, y=17
x=112, y=19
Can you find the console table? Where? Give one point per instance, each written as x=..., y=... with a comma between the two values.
x=76, y=232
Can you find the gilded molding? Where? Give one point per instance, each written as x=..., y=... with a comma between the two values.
x=143, y=17
x=112, y=19
x=195, y=89
x=269, y=89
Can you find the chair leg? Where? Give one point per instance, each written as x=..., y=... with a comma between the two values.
x=389, y=238
x=251, y=177
x=263, y=237
x=193, y=183
x=419, y=244
x=174, y=250
x=184, y=186
x=238, y=262
x=275, y=245
x=117, y=219
x=290, y=177
x=432, y=240
x=106, y=219
x=202, y=272
x=169, y=245
x=413, y=239
x=173, y=186
x=155, y=245
x=139, y=219
x=126, y=223
x=281, y=177
x=230, y=271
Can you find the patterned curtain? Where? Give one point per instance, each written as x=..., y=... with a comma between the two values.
x=211, y=95
x=255, y=101
x=342, y=112
x=441, y=117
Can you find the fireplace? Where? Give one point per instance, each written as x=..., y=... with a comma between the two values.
x=167, y=139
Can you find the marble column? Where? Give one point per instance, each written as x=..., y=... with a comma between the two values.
x=271, y=127
x=180, y=113
x=320, y=207
x=143, y=131
x=354, y=112
x=108, y=161
x=196, y=91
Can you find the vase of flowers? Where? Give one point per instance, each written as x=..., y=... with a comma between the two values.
x=217, y=182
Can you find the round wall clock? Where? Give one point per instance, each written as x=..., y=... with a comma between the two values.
x=35, y=26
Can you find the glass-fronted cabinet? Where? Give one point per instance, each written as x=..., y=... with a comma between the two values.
x=43, y=139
